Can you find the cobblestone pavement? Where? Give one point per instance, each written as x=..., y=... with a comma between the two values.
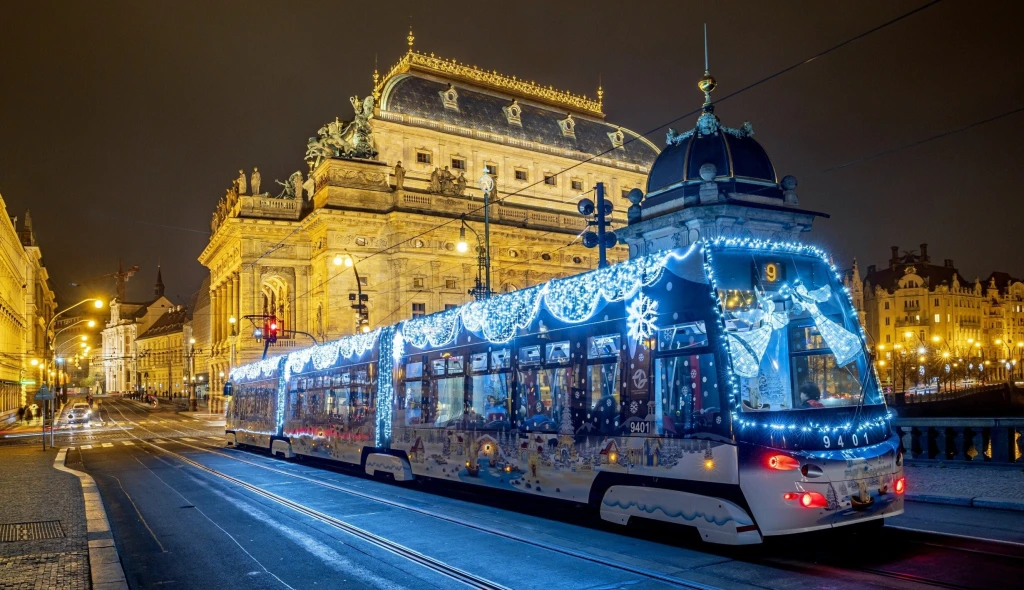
x=31, y=490
x=972, y=482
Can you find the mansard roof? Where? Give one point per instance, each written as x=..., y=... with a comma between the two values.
x=171, y=322
x=933, y=275
x=485, y=109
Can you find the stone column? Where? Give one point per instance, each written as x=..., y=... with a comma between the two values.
x=235, y=302
x=230, y=301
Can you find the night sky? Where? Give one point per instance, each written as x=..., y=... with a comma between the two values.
x=123, y=123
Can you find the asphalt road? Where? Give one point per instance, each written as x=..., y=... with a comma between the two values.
x=188, y=513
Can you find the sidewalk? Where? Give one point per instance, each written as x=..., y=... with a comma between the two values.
x=982, y=487
x=201, y=414
x=45, y=507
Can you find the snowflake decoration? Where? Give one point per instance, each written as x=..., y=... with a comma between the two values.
x=633, y=407
x=642, y=313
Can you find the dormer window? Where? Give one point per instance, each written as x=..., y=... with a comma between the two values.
x=568, y=126
x=616, y=138
x=450, y=98
x=512, y=113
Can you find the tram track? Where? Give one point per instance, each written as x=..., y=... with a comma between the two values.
x=417, y=557
x=790, y=565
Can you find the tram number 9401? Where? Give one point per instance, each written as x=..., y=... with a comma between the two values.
x=837, y=441
x=637, y=427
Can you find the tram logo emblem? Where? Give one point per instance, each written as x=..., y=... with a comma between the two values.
x=639, y=379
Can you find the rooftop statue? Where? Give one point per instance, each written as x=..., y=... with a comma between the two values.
x=340, y=139
x=292, y=187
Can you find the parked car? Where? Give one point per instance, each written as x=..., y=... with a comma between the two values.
x=79, y=413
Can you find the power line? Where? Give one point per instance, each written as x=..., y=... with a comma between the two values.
x=924, y=141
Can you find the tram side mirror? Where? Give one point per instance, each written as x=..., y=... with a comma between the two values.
x=227, y=389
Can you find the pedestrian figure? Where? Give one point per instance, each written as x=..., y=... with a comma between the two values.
x=21, y=414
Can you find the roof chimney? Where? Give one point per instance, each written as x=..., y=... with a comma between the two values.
x=948, y=263
x=895, y=256
x=924, y=253
x=872, y=269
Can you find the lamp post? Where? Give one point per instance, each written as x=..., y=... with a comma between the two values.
x=362, y=317
x=190, y=375
x=482, y=289
x=50, y=340
x=489, y=186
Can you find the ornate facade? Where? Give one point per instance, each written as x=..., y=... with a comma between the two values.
x=912, y=304
x=26, y=307
x=389, y=191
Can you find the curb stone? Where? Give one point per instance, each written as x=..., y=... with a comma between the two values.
x=104, y=563
x=977, y=502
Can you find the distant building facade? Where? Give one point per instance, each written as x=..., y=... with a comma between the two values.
x=912, y=303
x=438, y=128
x=127, y=321
x=160, y=350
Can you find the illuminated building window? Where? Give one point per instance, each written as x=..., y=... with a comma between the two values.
x=458, y=164
x=491, y=169
x=521, y=175
x=423, y=158
x=417, y=283
x=577, y=185
x=549, y=180
x=938, y=318
x=450, y=284
x=886, y=305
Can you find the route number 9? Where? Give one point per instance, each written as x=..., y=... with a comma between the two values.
x=771, y=272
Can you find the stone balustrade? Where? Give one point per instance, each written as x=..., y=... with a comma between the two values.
x=962, y=440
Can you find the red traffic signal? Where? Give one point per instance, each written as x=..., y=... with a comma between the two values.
x=270, y=329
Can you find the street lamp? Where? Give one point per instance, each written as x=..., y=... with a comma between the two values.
x=362, y=317
x=482, y=290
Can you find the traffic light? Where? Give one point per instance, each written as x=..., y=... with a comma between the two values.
x=270, y=329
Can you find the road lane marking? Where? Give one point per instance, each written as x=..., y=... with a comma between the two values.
x=190, y=439
x=219, y=438
x=159, y=441
x=85, y=447
x=128, y=443
x=108, y=444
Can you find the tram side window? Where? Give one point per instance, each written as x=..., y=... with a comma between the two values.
x=542, y=390
x=449, y=400
x=686, y=396
x=492, y=404
x=413, y=403
x=604, y=398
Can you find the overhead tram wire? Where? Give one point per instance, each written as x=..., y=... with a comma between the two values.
x=924, y=141
x=652, y=131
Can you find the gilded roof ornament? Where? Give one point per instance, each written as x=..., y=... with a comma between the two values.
x=454, y=70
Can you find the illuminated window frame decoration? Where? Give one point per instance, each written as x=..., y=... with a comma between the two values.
x=390, y=339
x=776, y=425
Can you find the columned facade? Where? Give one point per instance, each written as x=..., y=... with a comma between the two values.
x=394, y=218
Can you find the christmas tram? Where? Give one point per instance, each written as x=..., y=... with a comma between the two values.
x=725, y=387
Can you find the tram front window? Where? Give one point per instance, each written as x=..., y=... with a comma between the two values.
x=793, y=338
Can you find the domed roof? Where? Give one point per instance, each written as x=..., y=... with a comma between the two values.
x=739, y=161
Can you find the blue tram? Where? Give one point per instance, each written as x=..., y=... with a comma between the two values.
x=725, y=387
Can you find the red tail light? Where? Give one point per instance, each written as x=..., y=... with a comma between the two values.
x=813, y=500
x=783, y=463
x=901, y=485
x=790, y=496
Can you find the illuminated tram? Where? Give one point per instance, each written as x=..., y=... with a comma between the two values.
x=725, y=387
